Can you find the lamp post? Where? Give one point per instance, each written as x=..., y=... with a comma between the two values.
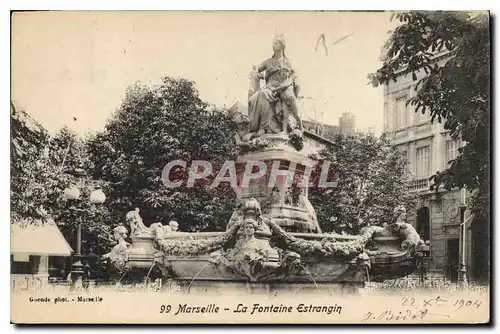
x=72, y=193
x=424, y=261
x=462, y=270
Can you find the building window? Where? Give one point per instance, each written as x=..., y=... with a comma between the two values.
x=451, y=150
x=423, y=162
x=400, y=112
x=24, y=268
x=423, y=223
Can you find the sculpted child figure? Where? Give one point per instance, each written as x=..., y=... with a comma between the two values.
x=407, y=231
x=174, y=226
x=117, y=256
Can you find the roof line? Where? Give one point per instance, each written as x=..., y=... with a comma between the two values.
x=317, y=137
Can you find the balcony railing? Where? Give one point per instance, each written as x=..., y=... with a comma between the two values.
x=419, y=184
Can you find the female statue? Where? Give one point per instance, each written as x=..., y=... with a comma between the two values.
x=270, y=108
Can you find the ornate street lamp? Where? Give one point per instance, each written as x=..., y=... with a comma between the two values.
x=72, y=193
x=462, y=269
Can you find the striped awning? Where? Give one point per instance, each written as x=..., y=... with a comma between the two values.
x=38, y=239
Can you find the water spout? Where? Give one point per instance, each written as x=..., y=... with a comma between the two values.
x=118, y=283
x=149, y=272
x=196, y=275
x=312, y=278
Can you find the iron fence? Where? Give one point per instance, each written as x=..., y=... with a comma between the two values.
x=428, y=283
x=33, y=284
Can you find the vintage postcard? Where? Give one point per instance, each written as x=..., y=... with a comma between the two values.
x=250, y=167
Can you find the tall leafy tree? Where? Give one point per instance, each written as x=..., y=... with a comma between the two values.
x=456, y=94
x=155, y=125
x=372, y=179
x=30, y=168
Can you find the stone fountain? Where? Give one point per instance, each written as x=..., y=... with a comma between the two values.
x=273, y=239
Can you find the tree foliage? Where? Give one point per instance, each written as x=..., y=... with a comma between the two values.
x=41, y=167
x=456, y=94
x=155, y=125
x=30, y=168
x=372, y=180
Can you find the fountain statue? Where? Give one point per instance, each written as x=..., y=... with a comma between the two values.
x=118, y=255
x=273, y=237
x=273, y=108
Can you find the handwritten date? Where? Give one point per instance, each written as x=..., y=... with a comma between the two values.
x=440, y=301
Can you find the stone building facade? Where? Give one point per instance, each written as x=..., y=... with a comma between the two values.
x=428, y=148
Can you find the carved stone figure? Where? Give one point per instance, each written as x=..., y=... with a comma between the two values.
x=167, y=229
x=358, y=269
x=245, y=140
x=118, y=255
x=252, y=256
x=241, y=139
x=251, y=209
x=174, y=226
x=406, y=232
x=250, y=253
x=409, y=235
x=271, y=108
x=306, y=204
x=135, y=223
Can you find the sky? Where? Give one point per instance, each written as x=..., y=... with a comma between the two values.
x=78, y=64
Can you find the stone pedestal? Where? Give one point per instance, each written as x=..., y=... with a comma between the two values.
x=282, y=190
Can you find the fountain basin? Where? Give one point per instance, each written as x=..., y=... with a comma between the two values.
x=258, y=249
x=385, y=259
